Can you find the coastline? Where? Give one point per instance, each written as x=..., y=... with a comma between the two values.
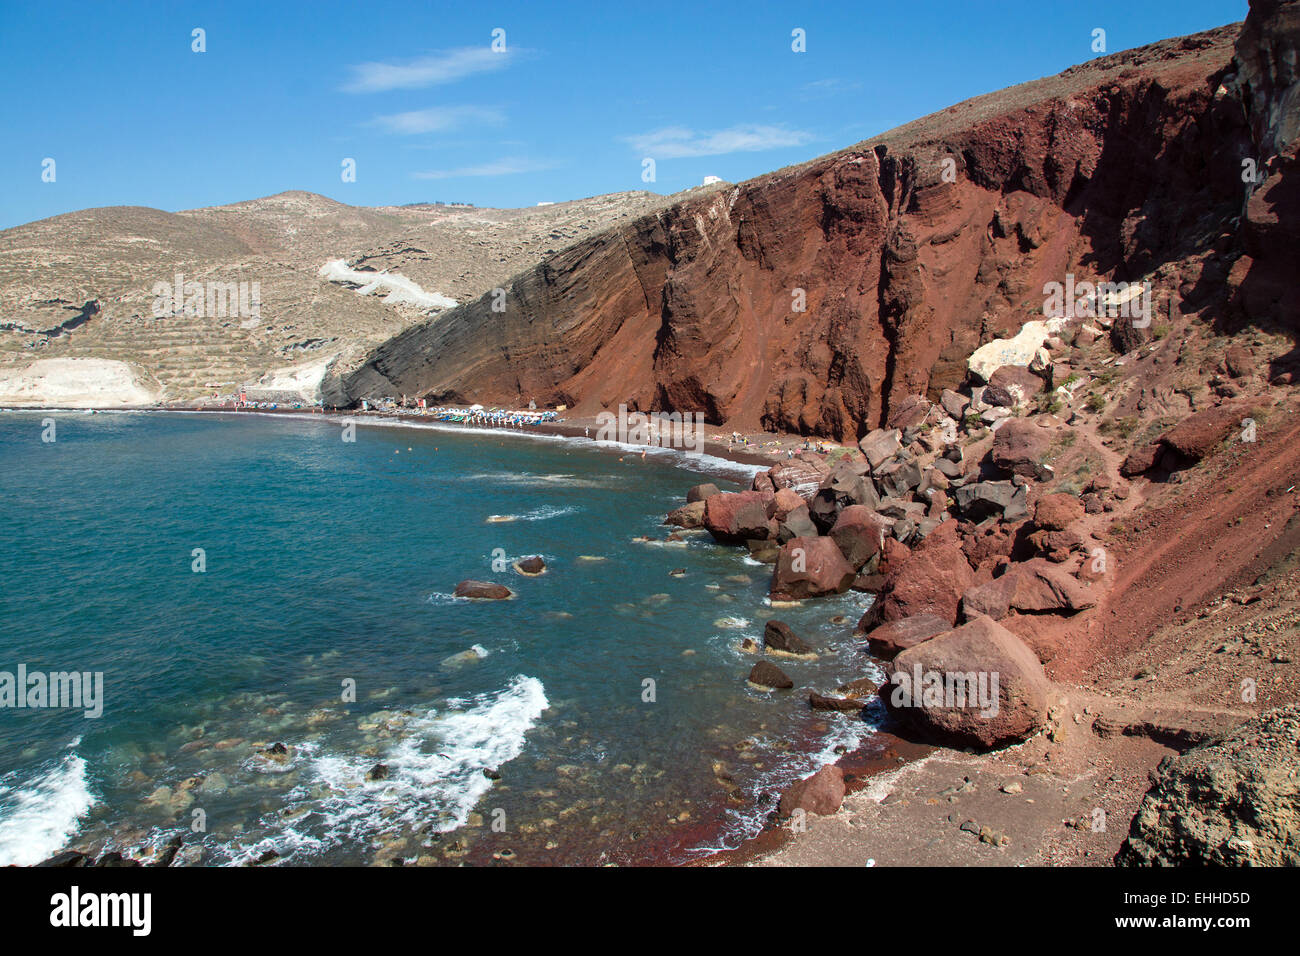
x=575, y=428
x=867, y=761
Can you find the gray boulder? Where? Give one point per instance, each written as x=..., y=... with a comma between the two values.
x=1231, y=802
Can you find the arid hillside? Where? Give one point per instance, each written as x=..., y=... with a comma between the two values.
x=81, y=285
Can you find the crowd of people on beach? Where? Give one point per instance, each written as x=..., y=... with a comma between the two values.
x=476, y=415
x=490, y=417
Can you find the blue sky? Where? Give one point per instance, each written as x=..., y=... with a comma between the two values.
x=413, y=92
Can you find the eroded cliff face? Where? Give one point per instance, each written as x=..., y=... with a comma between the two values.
x=1265, y=86
x=906, y=253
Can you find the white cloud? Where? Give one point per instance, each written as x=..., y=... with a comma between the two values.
x=436, y=119
x=500, y=167
x=833, y=86
x=445, y=67
x=675, y=142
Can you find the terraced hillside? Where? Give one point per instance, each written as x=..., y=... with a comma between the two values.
x=81, y=285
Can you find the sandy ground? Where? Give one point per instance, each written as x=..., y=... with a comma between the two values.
x=1064, y=797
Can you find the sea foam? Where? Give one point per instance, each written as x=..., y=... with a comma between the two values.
x=38, y=817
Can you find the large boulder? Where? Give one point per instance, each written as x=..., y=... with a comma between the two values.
x=860, y=534
x=801, y=475
x=1056, y=512
x=825, y=508
x=783, y=502
x=1023, y=349
x=702, y=492
x=822, y=793
x=810, y=567
x=1230, y=802
x=1020, y=447
x=688, y=516
x=1018, y=382
x=897, y=478
x=734, y=517
x=930, y=580
x=797, y=524
x=908, y=412
x=1033, y=587
x=954, y=403
x=851, y=485
x=891, y=639
x=987, y=499
x=1197, y=435
x=1141, y=459
x=880, y=445
x=976, y=686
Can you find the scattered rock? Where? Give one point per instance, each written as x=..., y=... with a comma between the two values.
x=819, y=702
x=822, y=793
x=531, y=566
x=767, y=674
x=810, y=567
x=892, y=638
x=778, y=637
x=702, y=493
x=1020, y=447
x=483, y=590
x=1034, y=586
x=1056, y=512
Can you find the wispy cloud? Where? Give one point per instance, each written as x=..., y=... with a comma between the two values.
x=437, y=118
x=675, y=142
x=500, y=167
x=832, y=86
x=444, y=67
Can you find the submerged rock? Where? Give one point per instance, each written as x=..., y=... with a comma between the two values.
x=822, y=702
x=531, y=566
x=767, y=674
x=778, y=637
x=483, y=591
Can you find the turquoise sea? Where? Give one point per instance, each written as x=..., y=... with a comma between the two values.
x=233, y=578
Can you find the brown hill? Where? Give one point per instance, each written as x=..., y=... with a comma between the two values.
x=1128, y=167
